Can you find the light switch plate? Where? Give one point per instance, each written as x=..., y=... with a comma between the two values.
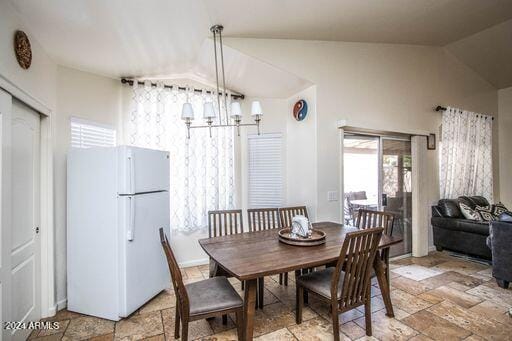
x=332, y=196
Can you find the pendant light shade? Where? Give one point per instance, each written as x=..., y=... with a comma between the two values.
x=236, y=110
x=187, y=112
x=256, y=109
x=208, y=111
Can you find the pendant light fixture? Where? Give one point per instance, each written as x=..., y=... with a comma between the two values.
x=209, y=110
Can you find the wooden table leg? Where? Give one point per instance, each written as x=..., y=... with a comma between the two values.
x=380, y=270
x=261, y=292
x=249, y=307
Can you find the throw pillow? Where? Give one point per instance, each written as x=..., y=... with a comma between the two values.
x=498, y=209
x=485, y=213
x=469, y=213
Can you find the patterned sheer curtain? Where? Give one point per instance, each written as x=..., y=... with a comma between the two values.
x=202, y=168
x=466, y=154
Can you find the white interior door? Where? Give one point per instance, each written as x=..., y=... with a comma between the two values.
x=22, y=166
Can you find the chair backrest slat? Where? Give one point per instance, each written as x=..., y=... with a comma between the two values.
x=263, y=218
x=356, y=262
x=176, y=278
x=225, y=222
x=286, y=214
x=369, y=218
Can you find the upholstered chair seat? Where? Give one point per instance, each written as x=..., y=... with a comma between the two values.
x=212, y=294
x=320, y=281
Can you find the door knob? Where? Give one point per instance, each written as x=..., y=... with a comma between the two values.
x=37, y=229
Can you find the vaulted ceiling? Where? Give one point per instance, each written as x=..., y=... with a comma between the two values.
x=489, y=53
x=162, y=37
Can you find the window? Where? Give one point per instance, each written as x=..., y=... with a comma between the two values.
x=86, y=134
x=265, y=170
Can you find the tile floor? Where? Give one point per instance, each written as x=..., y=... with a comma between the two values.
x=435, y=298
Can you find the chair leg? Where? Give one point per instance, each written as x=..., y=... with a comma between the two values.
x=299, y=302
x=368, y=316
x=286, y=279
x=335, y=321
x=184, y=330
x=306, y=297
x=224, y=319
x=177, y=322
x=280, y=279
x=242, y=285
x=240, y=324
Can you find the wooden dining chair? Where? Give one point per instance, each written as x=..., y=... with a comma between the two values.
x=261, y=219
x=226, y=222
x=286, y=214
x=200, y=300
x=223, y=223
x=368, y=219
x=348, y=285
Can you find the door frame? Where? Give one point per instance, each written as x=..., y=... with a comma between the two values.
x=420, y=242
x=48, y=305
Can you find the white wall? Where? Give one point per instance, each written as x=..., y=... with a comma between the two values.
x=377, y=86
x=301, y=154
x=505, y=141
x=39, y=80
x=87, y=96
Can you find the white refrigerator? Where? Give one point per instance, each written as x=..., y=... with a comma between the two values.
x=117, y=199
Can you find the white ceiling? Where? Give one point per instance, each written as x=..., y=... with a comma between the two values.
x=489, y=53
x=424, y=22
x=170, y=37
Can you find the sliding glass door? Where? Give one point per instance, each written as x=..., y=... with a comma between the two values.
x=395, y=187
x=377, y=176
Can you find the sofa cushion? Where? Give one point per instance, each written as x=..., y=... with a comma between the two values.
x=480, y=201
x=470, y=226
x=474, y=201
x=473, y=226
x=449, y=208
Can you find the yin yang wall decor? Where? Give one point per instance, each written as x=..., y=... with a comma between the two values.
x=300, y=110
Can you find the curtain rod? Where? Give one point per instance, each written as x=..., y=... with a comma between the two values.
x=130, y=82
x=440, y=108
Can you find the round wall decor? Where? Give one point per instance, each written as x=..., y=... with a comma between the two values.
x=22, y=49
x=300, y=110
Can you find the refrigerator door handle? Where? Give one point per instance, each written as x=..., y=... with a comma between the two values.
x=131, y=169
x=131, y=219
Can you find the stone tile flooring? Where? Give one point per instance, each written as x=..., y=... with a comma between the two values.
x=435, y=298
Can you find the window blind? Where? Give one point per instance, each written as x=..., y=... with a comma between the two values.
x=86, y=134
x=265, y=171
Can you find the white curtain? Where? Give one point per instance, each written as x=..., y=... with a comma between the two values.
x=466, y=154
x=202, y=168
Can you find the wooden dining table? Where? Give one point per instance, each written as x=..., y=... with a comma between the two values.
x=251, y=255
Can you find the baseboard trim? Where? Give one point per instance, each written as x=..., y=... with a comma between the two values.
x=62, y=304
x=407, y=255
x=431, y=248
x=196, y=262
x=51, y=312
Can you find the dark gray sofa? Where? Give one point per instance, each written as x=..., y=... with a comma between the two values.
x=500, y=241
x=454, y=232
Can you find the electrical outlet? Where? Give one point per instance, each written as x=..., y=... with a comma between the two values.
x=332, y=196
